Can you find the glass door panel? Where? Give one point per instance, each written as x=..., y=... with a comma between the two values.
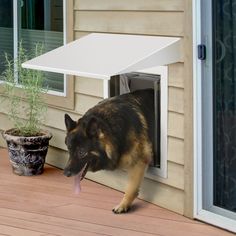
x=6, y=31
x=224, y=104
x=32, y=21
x=42, y=22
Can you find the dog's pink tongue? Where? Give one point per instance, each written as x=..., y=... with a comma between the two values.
x=77, y=183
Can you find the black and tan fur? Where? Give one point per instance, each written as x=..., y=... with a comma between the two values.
x=116, y=133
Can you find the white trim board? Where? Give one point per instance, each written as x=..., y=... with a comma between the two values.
x=153, y=172
x=101, y=56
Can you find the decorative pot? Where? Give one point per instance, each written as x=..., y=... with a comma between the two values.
x=27, y=154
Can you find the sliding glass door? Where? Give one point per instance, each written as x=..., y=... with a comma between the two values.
x=224, y=103
x=216, y=121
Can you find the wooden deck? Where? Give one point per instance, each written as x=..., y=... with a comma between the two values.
x=46, y=205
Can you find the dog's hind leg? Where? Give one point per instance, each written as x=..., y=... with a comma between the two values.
x=135, y=177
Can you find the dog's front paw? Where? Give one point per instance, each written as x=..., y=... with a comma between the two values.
x=121, y=209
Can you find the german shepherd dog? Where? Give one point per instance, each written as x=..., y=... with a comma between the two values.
x=116, y=133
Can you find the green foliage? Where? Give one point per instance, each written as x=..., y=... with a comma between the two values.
x=23, y=89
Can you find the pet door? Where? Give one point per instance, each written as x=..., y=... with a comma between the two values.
x=130, y=82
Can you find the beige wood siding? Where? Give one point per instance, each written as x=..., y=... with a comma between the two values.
x=176, y=150
x=165, y=23
x=84, y=102
x=176, y=75
x=176, y=100
x=130, y=5
x=89, y=86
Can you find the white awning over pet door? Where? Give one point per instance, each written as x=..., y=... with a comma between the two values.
x=101, y=56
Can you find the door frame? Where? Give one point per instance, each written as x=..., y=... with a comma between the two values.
x=203, y=177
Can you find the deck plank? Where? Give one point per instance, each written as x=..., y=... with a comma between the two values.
x=13, y=231
x=33, y=219
x=46, y=205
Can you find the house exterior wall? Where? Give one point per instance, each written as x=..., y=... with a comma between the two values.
x=149, y=17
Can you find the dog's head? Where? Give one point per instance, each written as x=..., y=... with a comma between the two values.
x=85, y=143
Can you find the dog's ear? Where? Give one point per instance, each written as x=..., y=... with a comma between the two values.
x=93, y=127
x=70, y=124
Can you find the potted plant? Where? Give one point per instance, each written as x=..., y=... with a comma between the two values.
x=23, y=88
